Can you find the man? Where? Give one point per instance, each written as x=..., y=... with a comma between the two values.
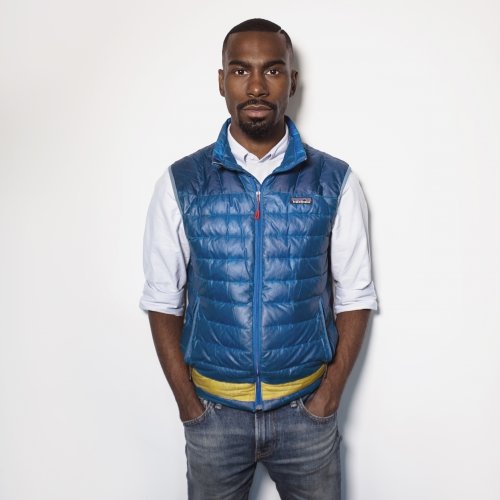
x=256, y=229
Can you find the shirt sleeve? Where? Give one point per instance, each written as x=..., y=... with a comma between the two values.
x=165, y=252
x=350, y=251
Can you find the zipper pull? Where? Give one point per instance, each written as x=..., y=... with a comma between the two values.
x=257, y=212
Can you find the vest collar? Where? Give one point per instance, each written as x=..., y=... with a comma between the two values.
x=294, y=155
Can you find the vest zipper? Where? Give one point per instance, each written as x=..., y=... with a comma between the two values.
x=257, y=302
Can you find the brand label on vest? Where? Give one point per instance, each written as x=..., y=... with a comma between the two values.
x=301, y=201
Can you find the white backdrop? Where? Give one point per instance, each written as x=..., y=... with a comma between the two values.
x=98, y=97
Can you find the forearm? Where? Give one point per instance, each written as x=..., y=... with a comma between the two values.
x=167, y=330
x=351, y=326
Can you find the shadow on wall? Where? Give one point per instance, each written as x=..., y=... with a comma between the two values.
x=295, y=103
x=353, y=381
x=344, y=410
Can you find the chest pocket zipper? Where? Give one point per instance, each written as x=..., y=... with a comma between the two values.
x=325, y=338
x=189, y=346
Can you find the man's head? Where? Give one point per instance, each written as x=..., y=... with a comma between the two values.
x=257, y=24
x=257, y=79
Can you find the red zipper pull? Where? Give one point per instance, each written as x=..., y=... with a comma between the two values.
x=257, y=212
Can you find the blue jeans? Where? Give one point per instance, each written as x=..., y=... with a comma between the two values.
x=300, y=451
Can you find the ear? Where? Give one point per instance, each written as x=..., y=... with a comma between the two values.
x=222, y=92
x=293, y=86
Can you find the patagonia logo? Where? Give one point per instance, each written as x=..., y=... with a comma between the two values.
x=301, y=201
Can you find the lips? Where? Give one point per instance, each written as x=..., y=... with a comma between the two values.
x=256, y=111
x=256, y=108
x=256, y=105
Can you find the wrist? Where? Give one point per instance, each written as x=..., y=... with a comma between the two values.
x=329, y=393
x=190, y=409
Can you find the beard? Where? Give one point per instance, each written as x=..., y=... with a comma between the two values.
x=256, y=128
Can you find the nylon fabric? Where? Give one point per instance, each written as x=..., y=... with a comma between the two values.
x=259, y=289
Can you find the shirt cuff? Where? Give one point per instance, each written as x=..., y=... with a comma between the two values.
x=355, y=299
x=151, y=306
x=164, y=302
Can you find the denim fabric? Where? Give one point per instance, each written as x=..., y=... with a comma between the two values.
x=300, y=451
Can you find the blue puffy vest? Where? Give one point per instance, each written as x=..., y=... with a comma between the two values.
x=259, y=327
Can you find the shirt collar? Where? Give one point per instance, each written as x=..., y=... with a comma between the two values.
x=295, y=152
x=242, y=155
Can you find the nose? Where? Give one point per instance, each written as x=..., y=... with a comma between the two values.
x=257, y=85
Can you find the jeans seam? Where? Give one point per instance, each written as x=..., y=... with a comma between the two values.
x=201, y=418
x=315, y=418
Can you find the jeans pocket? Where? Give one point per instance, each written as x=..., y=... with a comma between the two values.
x=198, y=420
x=315, y=418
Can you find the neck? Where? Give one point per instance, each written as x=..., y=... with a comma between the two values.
x=259, y=147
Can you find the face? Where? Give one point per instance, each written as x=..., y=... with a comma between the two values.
x=257, y=82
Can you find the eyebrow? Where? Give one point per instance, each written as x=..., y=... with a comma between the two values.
x=245, y=64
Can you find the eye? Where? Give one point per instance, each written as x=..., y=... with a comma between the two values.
x=240, y=72
x=273, y=71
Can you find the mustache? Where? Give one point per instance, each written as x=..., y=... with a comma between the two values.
x=256, y=102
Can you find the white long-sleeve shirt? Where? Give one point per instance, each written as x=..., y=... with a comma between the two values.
x=166, y=248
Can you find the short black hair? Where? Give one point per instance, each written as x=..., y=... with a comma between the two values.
x=258, y=24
